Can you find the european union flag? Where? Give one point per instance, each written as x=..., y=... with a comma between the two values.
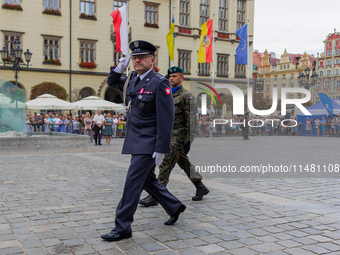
x=327, y=103
x=242, y=49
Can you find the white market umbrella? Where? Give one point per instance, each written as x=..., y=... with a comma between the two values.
x=97, y=103
x=49, y=102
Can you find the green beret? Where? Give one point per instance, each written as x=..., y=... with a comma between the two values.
x=175, y=69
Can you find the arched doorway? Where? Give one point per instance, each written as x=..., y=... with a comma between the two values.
x=114, y=95
x=86, y=92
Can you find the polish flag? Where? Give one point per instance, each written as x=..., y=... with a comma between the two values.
x=121, y=30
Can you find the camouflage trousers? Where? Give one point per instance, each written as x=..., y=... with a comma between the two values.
x=177, y=156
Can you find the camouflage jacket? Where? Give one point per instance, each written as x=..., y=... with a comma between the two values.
x=185, y=122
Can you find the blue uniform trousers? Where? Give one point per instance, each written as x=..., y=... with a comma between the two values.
x=141, y=175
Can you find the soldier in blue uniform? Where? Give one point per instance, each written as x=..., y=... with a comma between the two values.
x=150, y=115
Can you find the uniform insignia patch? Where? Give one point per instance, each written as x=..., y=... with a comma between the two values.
x=167, y=91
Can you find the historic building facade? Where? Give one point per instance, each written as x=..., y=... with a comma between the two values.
x=281, y=72
x=73, y=42
x=328, y=68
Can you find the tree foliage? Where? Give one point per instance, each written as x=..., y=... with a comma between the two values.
x=51, y=88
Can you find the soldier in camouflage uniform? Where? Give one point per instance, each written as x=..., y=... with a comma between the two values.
x=185, y=124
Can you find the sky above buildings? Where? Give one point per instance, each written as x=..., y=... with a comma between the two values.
x=295, y=25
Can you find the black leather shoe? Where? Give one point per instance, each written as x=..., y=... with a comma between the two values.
x=115, y=236
x=99, y=144
x=174, y=217
x=148, y=201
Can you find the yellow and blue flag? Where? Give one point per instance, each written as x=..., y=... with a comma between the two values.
x=170, y=39
x=242, y=49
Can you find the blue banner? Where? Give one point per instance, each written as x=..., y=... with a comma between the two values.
x=327, y=103
x=242, y=48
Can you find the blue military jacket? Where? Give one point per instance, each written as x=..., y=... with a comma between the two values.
x=150, y=119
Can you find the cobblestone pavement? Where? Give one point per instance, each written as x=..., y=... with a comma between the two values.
x=60, y=202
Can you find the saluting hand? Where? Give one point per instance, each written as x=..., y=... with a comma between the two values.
x=123, y=64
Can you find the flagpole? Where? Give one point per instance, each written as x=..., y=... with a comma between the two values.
x=213, y=54
x=127, y=27
x=173, y=16
x=248, y=55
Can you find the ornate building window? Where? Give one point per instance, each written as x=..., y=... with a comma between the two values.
x=204, y=69
x=87, y=53
x=88, y=9
x=151, y=15
x=184, y=60
x=184, y=12
x=51, y=4
x=204, y=11
x=241, y=6
x=223, y=15
x=9, y=39
x=240, y=71
x=118, y=3
x=222, y=65
x=51, y=50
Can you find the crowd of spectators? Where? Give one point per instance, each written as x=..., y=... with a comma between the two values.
x=267, y=126
x=79, y=124
x=227, y=126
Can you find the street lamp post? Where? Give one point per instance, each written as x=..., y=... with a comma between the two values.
x=15, y=58
x=304, y=79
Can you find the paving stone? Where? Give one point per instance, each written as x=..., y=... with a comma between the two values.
x=177, y=245
x=35, y=251
x=137, y=252
x=289, y=243
x=166, y=253
x=320, y=238
x=11, y=250
x=243, y=251
x=191, y=251
x=315, y=248
x=298, y=251
x=266, y=247
x=152, y=247
x=212, y=248
x=73, y=242
x=248, y=241
x=329, y=246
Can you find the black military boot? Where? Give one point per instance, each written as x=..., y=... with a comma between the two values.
x=148, y=201
x=201, y=190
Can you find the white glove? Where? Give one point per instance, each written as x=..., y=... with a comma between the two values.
x=158, y=158
x=123, y=64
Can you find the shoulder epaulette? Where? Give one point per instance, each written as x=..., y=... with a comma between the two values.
x=159, y=76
